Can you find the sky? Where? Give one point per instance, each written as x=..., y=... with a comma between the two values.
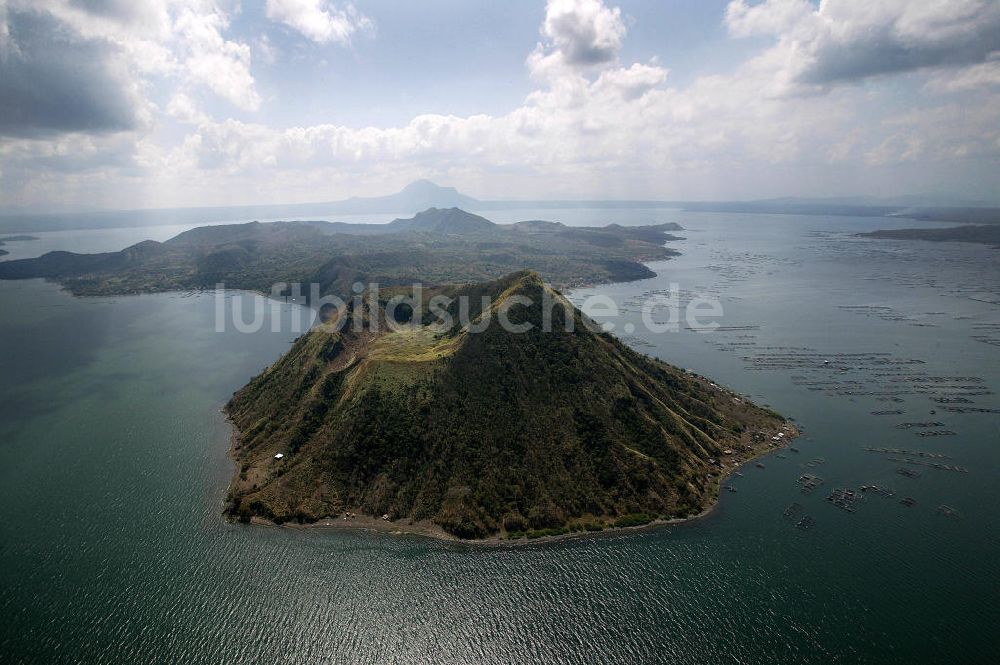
x=122, y=104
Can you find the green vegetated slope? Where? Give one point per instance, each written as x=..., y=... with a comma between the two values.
x=482, y=433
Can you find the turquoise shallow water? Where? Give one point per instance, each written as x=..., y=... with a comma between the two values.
x=114, y=469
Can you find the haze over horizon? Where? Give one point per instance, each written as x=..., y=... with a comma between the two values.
x=176, y=103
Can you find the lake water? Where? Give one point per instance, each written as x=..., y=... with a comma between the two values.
x=114, y=469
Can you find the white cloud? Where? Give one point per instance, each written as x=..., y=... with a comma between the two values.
x=211, y=60
x=772, y=17
x=585, y=32
x=896, y=148
x=843, y=41
x=265, y=50
x=593, y=126
x=319, y=20
x=182, y=108
x=618, y=123
x=54, y=81
x=975, y=77
x=580, y=35
x=940, y=133
x=632, y=82
x=178, y=40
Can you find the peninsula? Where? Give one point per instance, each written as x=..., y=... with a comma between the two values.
x=984, y=234
x=436, y=246
x=6, y=239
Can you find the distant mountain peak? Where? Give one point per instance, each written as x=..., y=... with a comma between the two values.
x=425, y=186
x=418, y=195
x=444, y=220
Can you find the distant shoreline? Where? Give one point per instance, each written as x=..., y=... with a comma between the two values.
x=983, y=234
x=14, y=221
